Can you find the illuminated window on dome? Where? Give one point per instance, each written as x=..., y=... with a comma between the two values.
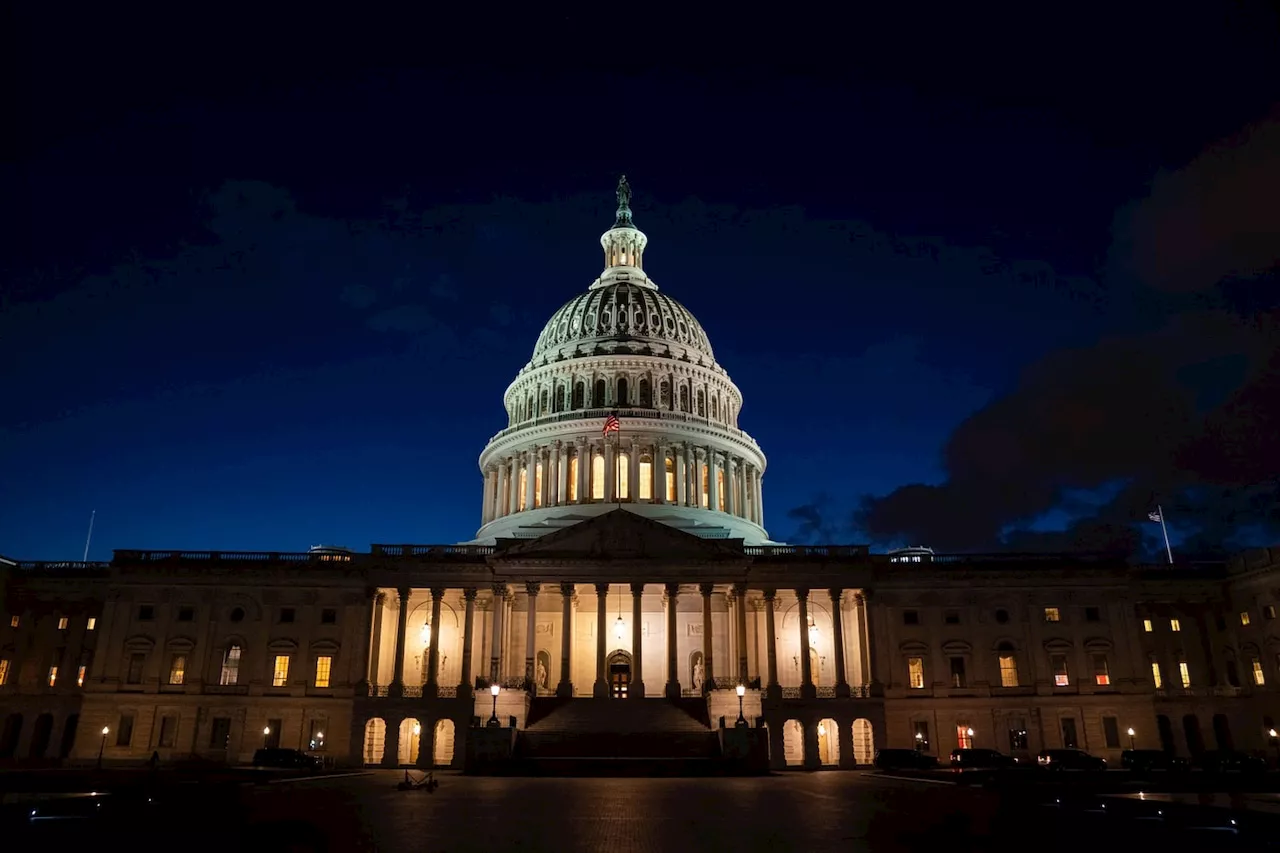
x=597, y=477
x=720, y=489
x=523, y=492
x=646, y=478
x=623, y=475
x=537, y=485
x=671, y=480
x=572, y=479
x=706, y=484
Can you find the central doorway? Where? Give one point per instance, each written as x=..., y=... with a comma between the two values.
x=619, y=674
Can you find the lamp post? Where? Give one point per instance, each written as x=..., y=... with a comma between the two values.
x=1131, y=734
x=266, y=733
x=742, y=721
x=102, y=746
x=1275, y=741
x=493, y=718
x=919, y=742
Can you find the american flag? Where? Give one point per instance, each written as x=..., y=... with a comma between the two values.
x=611, y=424
x=1156, y=516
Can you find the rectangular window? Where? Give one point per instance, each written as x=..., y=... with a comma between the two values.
x=220, y=733
x=91, y=624
x=646, y=479
x=146, y=613
x=324, y=664
x=4, y=671
x=1051, y=614
x=1008, y=671
x=288, y=615
x=53, y=676
x=1269, y=612
x=1017, y=735
x=63, y=621
x=1184, y=673
x=1101, y=675
x=137, y=661
x=537, y=485
x=124, y=730
x=1255, y=666
x=597, y=478
x=1061, y=678
x=328, y=616
x=1156, y=675
x=177, y=669
x=571, y=481
x=15, y=621
x=951, y=617
x=1147, y=626
x=964, y=736
x=521, y=493
x=80, y=675
x=168, y=732
x=910, y=617
x=230, y=666
x=1092, y=614
x=921, y=737
x=915, y=672
x=957, y=672
x=1244, y=618
x=1069, y=739
x=1175, y=625
x=1111, y=732
x=670, y=465
x=280, y=671
x=720, y=493
x=186, y=614
x=622, y=476
x=706, y=485
x=317, y=739
x=271, y=740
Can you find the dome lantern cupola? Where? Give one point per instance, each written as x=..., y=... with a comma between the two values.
x=623, y=244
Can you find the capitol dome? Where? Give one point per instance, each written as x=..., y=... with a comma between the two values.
x=624, y=350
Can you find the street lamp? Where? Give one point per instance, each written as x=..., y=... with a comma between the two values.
x=266, y=732
x=742, y=721
x=919, y=742
x=1276, y=743
x=493, y=719
x=102, y=745
x=1131, y=734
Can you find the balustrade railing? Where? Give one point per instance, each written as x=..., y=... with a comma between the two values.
x=632, y=413
x=413, y=691
x=825, y=692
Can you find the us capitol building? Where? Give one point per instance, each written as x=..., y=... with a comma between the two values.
x=622, y=600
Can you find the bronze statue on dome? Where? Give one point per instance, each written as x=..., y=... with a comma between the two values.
x=624, y=193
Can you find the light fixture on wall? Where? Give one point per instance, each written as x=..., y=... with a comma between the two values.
x=426, y=634
x=619, y=627
x=813, y=632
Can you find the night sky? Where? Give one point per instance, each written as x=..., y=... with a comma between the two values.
x=985, y=285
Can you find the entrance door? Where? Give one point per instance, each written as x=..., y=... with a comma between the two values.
x=619, y=674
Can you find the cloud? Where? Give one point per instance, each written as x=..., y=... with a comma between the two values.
x=358, y=295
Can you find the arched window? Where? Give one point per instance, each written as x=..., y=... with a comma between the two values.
x=720, y=496
x=623, y=399
x=557, y=399
x=664, y=395
x=572, y=480
x=542, y=403
x=524, y=483
x=230, y=665
x=646, y=399
x=715, y=407
x=597, y=477
x=684, y=398
x=528, y=406
x=645, y=486
x=537, y=485
x=598, y=398
x=702, y=403
x=622, y=476
x=579, y=395
x=706, y=482
x=670, y=465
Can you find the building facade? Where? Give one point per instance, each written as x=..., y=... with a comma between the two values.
x=622, y=556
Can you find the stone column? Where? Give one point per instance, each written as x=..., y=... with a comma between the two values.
x=730, y=487
x=673, y=653
x=677, y=468
x=807, y=689
x=837, y=639
x=499, y=508
x=432, y=687
x=633, y=476
x=584, y=471
x=773, y=689
x=373, y=643
x=660, y=474
x=741, y=589
x=636, y=687
x=531, y=637
x=868, y=642
x=759, y=498
x=699, y=471
x=402, y=625
x=610, y=464
x=708, y=636
x=713, y=484
x=530, y=477
x=513, y=489
x=486, y=501
x=601, y=688
x=552, y=476
x=499, y=605
x=565, y=688
x=690, y=475
x=465, y=682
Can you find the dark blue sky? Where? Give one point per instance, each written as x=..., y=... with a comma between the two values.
x=263, y=293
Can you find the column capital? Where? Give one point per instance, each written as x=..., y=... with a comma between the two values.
x=602, y=589
x=581, y=441
x=672, y=589
x=437, y=593
x=706, y=589
x=532, y=587
x=637, y=588
x=566, y=588
x=559, y=445
x=836, y=592
x=740, y=588
x=499, y=590
x=469, y=593
x=802, y=593
x=404, y=592
x=770, y=593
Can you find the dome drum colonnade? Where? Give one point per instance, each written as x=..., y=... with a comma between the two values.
x=626, y=349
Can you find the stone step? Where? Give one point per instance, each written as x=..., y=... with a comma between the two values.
x=618, y=745
x=618, y=715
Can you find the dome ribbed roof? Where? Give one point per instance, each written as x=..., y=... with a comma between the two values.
x=622, y=311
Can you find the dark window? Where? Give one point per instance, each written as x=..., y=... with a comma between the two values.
x=220, y=733
x=598, y=400
x=124, y=731
x=624, y=396
x=1111, y=732
x=328, y=616
x=168, y=731
x=1017, y=735
x=951, y=617
x=1069, y=739
x=186, y=614
x=1092, y=614
x=922, y=736
x=1233, y=676
x=137, y=661
x=1002, y=616
x=146, y=613
x=579, y=393
x=646, y=397
x=910, y=617
x=957, y=672
x=287, y=614
x=237, y=614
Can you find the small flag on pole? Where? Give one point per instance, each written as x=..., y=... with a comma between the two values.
x=611, y=424
x=1156, y=516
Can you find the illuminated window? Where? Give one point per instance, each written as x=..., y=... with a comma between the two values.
x=1255, y=666
x=1244, y=618
x=963, y=736
x=62, y=623
x=4, y=671
x=324, y=664
x=706, y=484
x=915, y=672
x=1146, y=626
x=80, y=675
x=720, y=489
x=1101, y=675
x=1051, y=614
x=91, y=624
x=623, y=474
x=572, y=479
x=645, y=486
x=53, y=675
x=597, y=477
x=15, y=621
x=1269, y=612
x=1156, y=676
x=177, y=669
x=1008, y=671
x=1175, y=625
x=671, y=480
x=523, y=486
x=1184, y=673
x=280, y=671
x=230, y=666
x=537, y=485
x=1061, y=677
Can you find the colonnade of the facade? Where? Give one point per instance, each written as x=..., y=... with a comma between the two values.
x=488, y=641
x=604, y=471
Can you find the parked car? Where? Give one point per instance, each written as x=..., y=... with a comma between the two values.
x=1231, y=761
x=1147, y=760
x=904, y=759
x=288, y=759
x=1070, y=759
x=980, y=759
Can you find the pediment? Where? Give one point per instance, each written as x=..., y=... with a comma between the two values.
x=620, y=535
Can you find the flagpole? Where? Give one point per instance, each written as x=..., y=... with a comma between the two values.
x=1167, y=550
x=617, y=465
x=88, y=538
